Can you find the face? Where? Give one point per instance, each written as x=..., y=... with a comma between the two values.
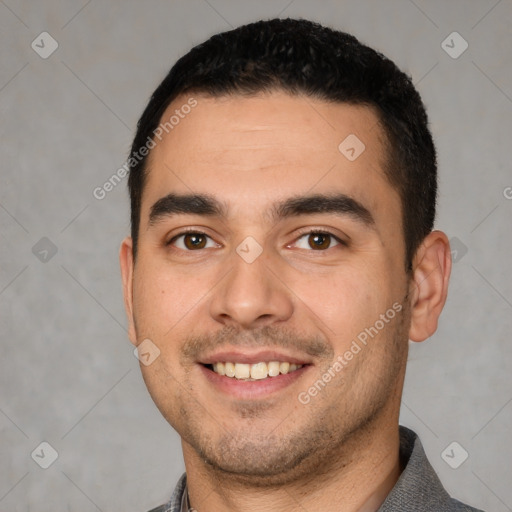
x=289, y=261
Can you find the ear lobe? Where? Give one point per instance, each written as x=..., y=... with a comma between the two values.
x=126, y=262
x=431, y=274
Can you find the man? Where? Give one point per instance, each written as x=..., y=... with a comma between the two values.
x=282, y=255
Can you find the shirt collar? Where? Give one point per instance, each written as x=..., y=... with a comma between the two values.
x=418, y=487
x=185, y=505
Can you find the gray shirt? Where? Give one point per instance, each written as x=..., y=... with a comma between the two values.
x=417, y=490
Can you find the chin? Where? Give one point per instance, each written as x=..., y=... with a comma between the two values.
x=263, y=462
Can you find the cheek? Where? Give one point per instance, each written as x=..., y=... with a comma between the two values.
x=165, y=387
x=160, y=300
x=349, y=301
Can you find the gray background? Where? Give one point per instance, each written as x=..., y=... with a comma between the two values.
x=68, y=375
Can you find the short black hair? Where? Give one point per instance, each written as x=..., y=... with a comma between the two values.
x=303, y=57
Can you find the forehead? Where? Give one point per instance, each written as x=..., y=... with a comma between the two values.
x=249, y=151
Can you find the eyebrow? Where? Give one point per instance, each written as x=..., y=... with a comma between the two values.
x=206, y=205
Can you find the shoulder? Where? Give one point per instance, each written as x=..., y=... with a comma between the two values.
x=457, y=506
x=419, y=487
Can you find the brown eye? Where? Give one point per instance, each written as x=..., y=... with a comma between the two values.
x=191, y=241
x=194, y=241
x=318, y=241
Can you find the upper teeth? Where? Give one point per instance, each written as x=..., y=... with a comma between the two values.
x=254, y=371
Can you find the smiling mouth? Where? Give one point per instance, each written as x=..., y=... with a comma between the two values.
x=251, y=372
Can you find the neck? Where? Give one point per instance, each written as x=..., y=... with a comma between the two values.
x=357, y=477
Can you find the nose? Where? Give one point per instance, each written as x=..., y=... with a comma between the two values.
x=252, y=295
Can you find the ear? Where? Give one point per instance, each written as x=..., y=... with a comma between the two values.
x=126, y=262
x=429, y=285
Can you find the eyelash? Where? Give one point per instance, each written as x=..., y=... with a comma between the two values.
x=321, y=232
x=301, y=234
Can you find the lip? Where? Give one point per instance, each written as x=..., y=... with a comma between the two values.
x=234, y=356
x=253, y=389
